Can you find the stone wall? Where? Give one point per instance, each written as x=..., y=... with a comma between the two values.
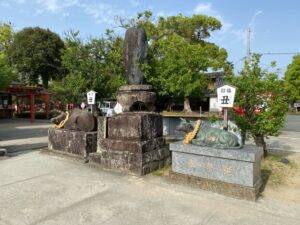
x=72, y=142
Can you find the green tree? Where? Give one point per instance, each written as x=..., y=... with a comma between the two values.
x=292, y=80
x=36, y=53
x=95, y=65
x=6, y=36
x=6, y=72
x=179, y=55
x=259, y=95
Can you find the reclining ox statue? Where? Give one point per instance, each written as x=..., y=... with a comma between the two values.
x=75, y=119
x=203, y=134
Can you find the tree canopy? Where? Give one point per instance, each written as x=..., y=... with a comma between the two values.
x=259, y=95
x=6, y=36
x=36, y=53
x=94, y=65
x=292, y=79
x=6, y=70
x=179, y=55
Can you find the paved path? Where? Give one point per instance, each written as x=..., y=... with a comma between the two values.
x=289, y=139
x=20, y=134
x=40, y=189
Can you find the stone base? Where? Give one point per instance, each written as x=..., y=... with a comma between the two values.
x=131, y=142
x=131, y=96
x=134, y=162
x=72, y=142
x=135, y=146
x=135, y=126
x=233, y=167
x=232, y=190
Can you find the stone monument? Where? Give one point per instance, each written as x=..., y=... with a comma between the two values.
x=134, y=54
x=214, y=160
x=132, y=140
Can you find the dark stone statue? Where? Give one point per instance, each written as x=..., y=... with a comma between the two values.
x=135, y=53
x=78, y=120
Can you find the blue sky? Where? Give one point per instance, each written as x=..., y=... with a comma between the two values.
x=275, y=25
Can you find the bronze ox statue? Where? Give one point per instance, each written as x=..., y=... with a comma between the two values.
x=76, y=119
x=206, y=135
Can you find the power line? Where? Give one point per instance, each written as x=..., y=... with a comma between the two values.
x=279, y=53
x=248, y=56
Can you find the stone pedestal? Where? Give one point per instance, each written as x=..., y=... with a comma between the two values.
x=72, y=142
x=134, y=97
x=234, y=172
x=132, y=142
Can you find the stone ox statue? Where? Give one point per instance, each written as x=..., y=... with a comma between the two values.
x=206, y=135
x=77, y=119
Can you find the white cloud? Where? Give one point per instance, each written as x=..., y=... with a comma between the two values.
x=5, y=3
x=134, y=3
x=251, y=24
x=55, y=6
x=207, y=9
x=240, y=34
x=253, y=18
x=101, y=12
x=227, y=30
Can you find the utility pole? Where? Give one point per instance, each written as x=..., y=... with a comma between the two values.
x=248, y=45
x=248, y=58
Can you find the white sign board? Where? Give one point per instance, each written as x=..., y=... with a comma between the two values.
x=91, y=97
x=226, y=95
x=297, y=104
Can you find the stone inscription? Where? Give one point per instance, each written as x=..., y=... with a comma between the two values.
x=227, y=170
x=207, y=166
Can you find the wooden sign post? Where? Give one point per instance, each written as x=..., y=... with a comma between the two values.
x=91, y=99
x=225, y=95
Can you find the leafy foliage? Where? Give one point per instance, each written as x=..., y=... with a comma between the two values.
x=292, y=79
x=6, y=72
x=6, y=36
x=36, y=53
x=178, y=55
x=95, y=65
x=259, y=94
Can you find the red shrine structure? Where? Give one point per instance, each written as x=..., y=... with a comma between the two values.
x=21, y=92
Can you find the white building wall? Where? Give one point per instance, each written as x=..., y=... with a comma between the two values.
x=213, y=105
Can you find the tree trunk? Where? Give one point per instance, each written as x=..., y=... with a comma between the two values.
x=169, y=106
x=187, y=106
x=260, y=142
